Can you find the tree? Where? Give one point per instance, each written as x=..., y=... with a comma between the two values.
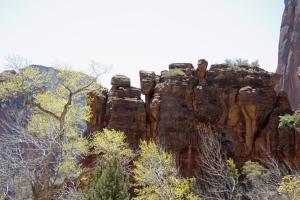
x=16, y=62
x=113, y=158
x=57, y=118
x=109, y=183
x=157, y=178
x=110, y=143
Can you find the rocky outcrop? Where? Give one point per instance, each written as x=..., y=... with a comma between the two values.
x=121, y=108
x=289, y=52
x=239, y=103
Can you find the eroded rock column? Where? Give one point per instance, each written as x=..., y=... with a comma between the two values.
x=125, y=110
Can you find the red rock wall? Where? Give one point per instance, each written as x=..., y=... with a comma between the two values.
x=289, y=52
x=239, y=103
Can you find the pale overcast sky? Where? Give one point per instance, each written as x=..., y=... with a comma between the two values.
x=140, y=34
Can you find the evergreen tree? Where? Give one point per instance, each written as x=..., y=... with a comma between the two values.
x=109, y=183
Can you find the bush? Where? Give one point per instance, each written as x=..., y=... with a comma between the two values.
x=289, y=121
x=234, y=63
x=110, y=182
x=156, y=176
x=290, y=187
x=255, y=171
x=172, y=73
x=110, y=143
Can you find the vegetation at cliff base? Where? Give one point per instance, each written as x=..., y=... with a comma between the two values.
x=157, y=178
x=48, y=153
x=108, y=182
x=289, y=187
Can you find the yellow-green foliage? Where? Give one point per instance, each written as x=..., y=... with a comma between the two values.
x=233, y=168
x=172, y=73
x=70, y=151
x=51, y=91
x=28, y=80
x=156, y=176
x=48, y=94
x=289, y=121
x=290, y=187
x=255, y=171
x=110, y=143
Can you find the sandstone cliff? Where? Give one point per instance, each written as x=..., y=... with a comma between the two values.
x=240, y=103
x=289, y=52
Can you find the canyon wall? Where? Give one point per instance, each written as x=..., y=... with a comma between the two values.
x=289, y=52
x=240, y=103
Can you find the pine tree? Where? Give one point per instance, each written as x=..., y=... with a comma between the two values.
x=109, y=183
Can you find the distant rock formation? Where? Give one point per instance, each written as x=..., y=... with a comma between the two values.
x=289, y=52
x=240, y=103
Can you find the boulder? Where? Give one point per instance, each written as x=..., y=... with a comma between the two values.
x=120, y=81
x=147, y=80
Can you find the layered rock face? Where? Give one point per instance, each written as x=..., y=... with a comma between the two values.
x=121, y=108
x=239, y=103
x=289, y=52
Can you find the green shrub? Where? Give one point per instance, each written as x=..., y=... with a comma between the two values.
x=172, y=73
x=235, y=63
x=110, y=182
x=289, y=121
x=233, y=168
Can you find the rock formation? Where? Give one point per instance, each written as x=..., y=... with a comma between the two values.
x=240, y=103
x=289, y=52
x=121, y=108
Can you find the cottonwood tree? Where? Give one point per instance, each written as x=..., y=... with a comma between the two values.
x=46, y=152
x=16, y=62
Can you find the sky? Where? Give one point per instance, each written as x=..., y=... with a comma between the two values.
x=139, y=34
